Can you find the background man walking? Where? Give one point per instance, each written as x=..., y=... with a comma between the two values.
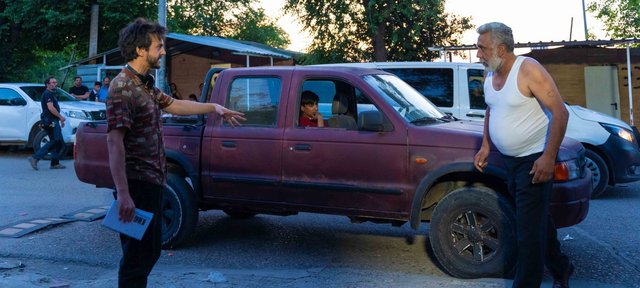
x=52, y=122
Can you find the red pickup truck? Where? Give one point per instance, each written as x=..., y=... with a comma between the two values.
x=388, y=155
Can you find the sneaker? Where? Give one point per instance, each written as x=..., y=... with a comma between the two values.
x=33, y=162
x=58, y=166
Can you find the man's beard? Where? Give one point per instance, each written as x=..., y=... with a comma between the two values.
x=494, y=63
x=154, y=63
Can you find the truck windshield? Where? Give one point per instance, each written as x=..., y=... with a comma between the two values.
x=408, y=102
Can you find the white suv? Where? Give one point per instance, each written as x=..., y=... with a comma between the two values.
x=20, y=110
x=612, y=152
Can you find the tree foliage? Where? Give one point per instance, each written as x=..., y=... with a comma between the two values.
x=254, y=25
x=56, y=27
x=620, y=17
x=380, y=30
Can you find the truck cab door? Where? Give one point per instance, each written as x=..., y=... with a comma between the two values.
x=245, y=163
x=342, y=169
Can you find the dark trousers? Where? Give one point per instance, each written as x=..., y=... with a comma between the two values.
x=55, y=144
x=139, y=257
x=537, y=238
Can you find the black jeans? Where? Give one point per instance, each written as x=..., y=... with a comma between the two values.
x=537, y=240
x=139, y=257
x=55, y=144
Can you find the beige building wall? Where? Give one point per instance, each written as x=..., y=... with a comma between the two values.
x=570, y=81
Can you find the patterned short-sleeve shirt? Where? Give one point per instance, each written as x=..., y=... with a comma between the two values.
x=135, y=108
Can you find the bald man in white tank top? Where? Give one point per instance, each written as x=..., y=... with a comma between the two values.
x=526, y=120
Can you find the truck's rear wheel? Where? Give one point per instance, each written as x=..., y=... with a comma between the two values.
x=179, y=211
x=472, y=233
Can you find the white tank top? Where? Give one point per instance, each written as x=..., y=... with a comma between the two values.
x=518, y=125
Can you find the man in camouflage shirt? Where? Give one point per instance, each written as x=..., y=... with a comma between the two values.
x=136, y=151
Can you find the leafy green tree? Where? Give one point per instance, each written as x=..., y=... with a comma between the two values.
x=254, y=25
x=203, y=17
x=380, y=30
x=620, y=17
x=30, y=26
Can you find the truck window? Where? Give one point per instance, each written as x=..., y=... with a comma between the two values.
x=475, y=80
x=346, y=115
x=258, y=98
x=434, y=83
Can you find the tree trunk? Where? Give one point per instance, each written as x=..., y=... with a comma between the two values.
x=379, y=49
x=377, y=31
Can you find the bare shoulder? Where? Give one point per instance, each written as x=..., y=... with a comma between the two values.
x=531, y=68
x=533, y=75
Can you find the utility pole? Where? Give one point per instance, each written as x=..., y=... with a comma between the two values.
x=162, y=19
x=584, y=17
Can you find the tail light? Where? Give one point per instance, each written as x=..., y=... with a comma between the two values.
x=566, y=171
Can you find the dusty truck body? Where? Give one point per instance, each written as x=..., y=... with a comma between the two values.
x=402, y=162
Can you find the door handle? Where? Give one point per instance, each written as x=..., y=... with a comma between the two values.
x=615, y=106
x=301, y=147
x=228, y=144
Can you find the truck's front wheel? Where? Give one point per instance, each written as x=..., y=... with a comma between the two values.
x=472, y=233
x=39, y=140
x=179, y=211
x=599, y=172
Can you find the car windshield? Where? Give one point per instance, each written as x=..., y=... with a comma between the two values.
x=408, y=102
x=35, y=93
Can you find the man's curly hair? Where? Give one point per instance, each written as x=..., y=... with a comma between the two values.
x=138, y=34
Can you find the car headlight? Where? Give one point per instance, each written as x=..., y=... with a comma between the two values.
x=566, y=170
x=619, y=131
x=78, y=114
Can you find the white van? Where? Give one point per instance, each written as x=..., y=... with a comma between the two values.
x=457, y=89
x=20, y=110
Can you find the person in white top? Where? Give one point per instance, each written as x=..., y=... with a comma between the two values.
x=526, y=121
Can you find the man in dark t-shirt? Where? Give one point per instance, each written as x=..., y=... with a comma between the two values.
x=52, y=123
x=78, y=90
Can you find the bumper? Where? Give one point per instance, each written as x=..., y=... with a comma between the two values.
x=569, y=203
x=624, y=159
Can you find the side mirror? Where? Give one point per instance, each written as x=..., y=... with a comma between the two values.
x=372, y=121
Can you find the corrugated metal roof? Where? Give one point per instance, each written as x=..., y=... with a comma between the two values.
x=239, y=47
x=228, y=44
x=593, y=43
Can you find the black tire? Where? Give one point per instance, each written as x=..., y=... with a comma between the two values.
x=39, y=140
x=179, y=211
x=238, y=214
x=473, y=234
x=599, y=172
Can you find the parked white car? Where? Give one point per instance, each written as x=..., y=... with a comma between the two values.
x=20, y=110
x=612, y=152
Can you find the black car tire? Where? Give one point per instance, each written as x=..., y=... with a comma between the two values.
x=472, y=233
x=179, y=211
x=41, y=138
x=599, y=172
